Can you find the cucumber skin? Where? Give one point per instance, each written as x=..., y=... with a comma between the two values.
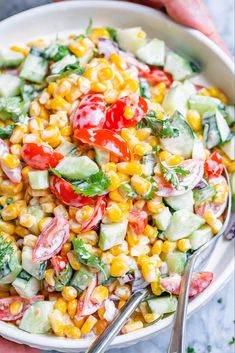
x=74, y=168
x=10, y=59
x=163, y=305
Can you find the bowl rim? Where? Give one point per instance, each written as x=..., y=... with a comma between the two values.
x=53, y=342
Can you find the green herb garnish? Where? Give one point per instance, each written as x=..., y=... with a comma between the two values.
x=232, y=341
x=86, y=258
x=190, y=350
x=93, y=185
x=171, y=173
x=89, y=27
x=6, y=251
x=220, y=301
x=5, y=132
x=204, y=195
x=56, y=51
x=113, y=33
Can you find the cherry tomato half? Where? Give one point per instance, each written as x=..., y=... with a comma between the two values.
x=40, y=156
x=155, y=76
x=64, y=192
x=5, y=313
x=96, y=215
x=138, y=220
x=104, y=139
x=214, y=165
x=59, y=263
x=90, y=112
x=115, y=116
x=51, y=240
x=199, y=282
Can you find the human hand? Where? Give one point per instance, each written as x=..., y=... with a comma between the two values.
x=11, y=347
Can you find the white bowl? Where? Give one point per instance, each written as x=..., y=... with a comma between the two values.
x=72, y=17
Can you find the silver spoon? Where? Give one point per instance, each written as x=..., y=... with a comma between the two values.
x=177, y=341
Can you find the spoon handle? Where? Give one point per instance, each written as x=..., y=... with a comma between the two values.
x=103, y=341
x=177, y=341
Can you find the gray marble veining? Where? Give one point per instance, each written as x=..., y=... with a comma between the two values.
x=212, y=327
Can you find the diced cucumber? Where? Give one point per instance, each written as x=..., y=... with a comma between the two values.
x=182, y=144
x=101, y=156
x=10, y=58
x=145, y=91
x=77, y=167
x=228, y=147
x=66, y=148
x=176, y=261
x=26, y=288
x=127, y=190
x=185, y=201
x=38, y=213
x=59, y=66
x=215, y=128
x=39, y=179
x=112, y=234
x=10, y=269
x=162, y=220
x=148, y=162
x=63, y=278
x=176, y=98
x=81, y=279
x=36, y=317
x=183, y=223
x=34, y=68
x=203, y=103
x=35, y=269
x=200, y=237
x=179, y=67
x=10, y=107
x=131, y=39
x=199, y=151
x=162, y=305
x=230, y=116
x=9, y=85
x=152, y=53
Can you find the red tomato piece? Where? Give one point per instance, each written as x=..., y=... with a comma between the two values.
x=85, y=305
x=199, y=282
x=105, y=139
x=64, y=192
x=5, y=314
x=138, y=220
x=214, y=165
x=115, y=116
x=96, y=216
x=51, y=240
x=90, y=112
x=155, y=76
x=40, y=156
x=59, y=263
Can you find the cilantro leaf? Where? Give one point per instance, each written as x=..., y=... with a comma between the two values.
x=93, y=185
x=171, y=173
x=89, y=27
x=162, y=128
x=144, y=88
x=232, y=341
x=113, y=33
x=86, y=258
x=55, y=172
x=56, y=51
x=190, y=350
x=6, y=251
x=5, y=132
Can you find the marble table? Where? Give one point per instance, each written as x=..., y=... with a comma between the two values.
x=213, y=326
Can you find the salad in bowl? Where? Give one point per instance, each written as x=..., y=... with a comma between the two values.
x=112, y=162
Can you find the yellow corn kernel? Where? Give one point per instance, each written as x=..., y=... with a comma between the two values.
x=59, y=103
x=168, y=246
x=32, y=138
x=72, y=308
x=66, y=248
x=16, y=150
x=131, y=85
x=99, y=294
x=209, y=217
x=123, y=177
x=143, y=134
x=221, y=193
x=86, y=213
x=175, y=160
x=142, y=148
x=78, y=48
x=72, y=332
x=51, y=135
x=215, y=92
x=44, y=222
x=149, y=271
x=109, y=167
x=15, y=308
x=10, y=161
x=114, y=213
x=69, y=293
x=60, y=211
x=7, y=227
x=132, y=238
x=115, y=181
x=99, y=327
x=9, y=188
x=35, y=109
x=194, y=120
x=118, y=61
x=27, y=220
x=125, y=206
x=74, y=226
x=4, y=200
x=118, y=267
x=36, y=124
x=61, y=305
x=105, y=73
x=51, y=88
x=97, y=33
x=30, y=240
x=98, y=86
x=4, y=294
x=231, y=167
x=49, y=277
x=123, y=291
x=48, y=207
x=154, y=206
x=116, y=196
x=9, y=212
x=129, y=168
x=183, y=245
x=63, y=88
x=150, y=231
x=101, y=313
x=132, y=326
x=128, y=112
x=164, y=156
x=156, y=288
x=157, y=247
x=152, y=141
x=88, y=325
x=21, y=50
x=128, y=133
x=150, y=317
x=75, y=264
x=119, y=249
x=21, y=231
x=140, y=185
x=79, y=321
